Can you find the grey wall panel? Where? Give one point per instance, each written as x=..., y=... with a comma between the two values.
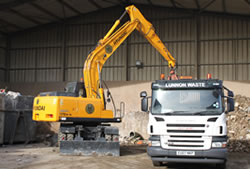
x=214, y=27
x=74, y=74
x=22, y=58
x=49, y=58
x=2, y=57
x=224, y=72
x=242, y=55
x=113, y=74
x=40, y=38
x=145, y=53
x=214, y=52
x=177, y=29
x=2, y=75
x=48, y=75
x=75, y=56
x=85, y=34
x=183, y=52
x=2, y=41
x=22, y=75
x=217, y=27
x=147, y=73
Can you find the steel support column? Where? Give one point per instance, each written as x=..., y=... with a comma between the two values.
x=63, y=52
x=197, y=46
x=127, y=59
x=7, y=59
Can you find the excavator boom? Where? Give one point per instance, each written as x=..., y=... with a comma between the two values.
x=107, y=46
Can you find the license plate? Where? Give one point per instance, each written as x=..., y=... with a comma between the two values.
x=185, y=153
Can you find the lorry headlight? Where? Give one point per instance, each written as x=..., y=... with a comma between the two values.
x=219, y=144
x=154, y=143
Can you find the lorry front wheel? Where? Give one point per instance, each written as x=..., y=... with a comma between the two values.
x=157, y=163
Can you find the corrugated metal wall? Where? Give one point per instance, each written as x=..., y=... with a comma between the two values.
x=57, y=53
x=2, y=58
x=225, y=47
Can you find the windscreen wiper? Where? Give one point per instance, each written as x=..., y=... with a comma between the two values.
x=205, y=113
x=175, y=112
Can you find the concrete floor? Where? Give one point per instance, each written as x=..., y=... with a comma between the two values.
x=38, y=156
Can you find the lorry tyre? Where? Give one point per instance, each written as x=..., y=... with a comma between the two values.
x=157, y=163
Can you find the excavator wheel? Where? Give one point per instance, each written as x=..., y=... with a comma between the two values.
x=70, y=137
x=61, y=137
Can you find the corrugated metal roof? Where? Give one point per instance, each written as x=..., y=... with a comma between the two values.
x=18, y=15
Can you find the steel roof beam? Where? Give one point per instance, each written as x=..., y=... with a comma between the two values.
x=197, y=4
x=10, y=24
x=25, y=17
x=13, y=4
x=173, y=3
x=111, y=2
x=150, y=2
x=179, y=4
x=69, y=7
x=45, y=11
x=95, y=4
x=248, y=2
x=207, y=5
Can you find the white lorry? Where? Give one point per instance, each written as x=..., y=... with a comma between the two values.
x=187, y=121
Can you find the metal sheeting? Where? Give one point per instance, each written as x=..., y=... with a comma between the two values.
x=2, y=58
x=2, y=75
x=224, y=48
x=225, y=44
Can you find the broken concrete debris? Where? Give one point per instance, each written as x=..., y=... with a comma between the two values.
x=238, y=123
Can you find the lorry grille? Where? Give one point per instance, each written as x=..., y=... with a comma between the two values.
x=185, y=131
x=186, y=136
x=185, y=125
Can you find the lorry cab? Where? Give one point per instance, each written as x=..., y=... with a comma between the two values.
x=187, y=121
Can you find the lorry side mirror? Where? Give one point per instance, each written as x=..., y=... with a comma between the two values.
x=230, y=104
x=143, y=94
x=144, y=104
x=230, y=93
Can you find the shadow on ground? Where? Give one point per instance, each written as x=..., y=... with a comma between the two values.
x=132, y=150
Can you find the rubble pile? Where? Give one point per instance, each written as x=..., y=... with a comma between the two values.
x=239, y=125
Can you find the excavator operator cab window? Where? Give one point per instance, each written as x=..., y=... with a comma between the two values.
x=77, y=88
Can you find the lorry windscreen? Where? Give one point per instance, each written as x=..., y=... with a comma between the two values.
x=186, y=101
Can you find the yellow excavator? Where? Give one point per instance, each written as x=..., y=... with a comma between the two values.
x=81, y=108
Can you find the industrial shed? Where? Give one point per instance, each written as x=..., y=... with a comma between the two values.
x=44, y=44
x=48, y=41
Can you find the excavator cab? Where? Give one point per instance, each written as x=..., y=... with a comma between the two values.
x=77, y=88
x=72, y=89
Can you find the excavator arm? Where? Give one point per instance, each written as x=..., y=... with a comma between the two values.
x=108, y=45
